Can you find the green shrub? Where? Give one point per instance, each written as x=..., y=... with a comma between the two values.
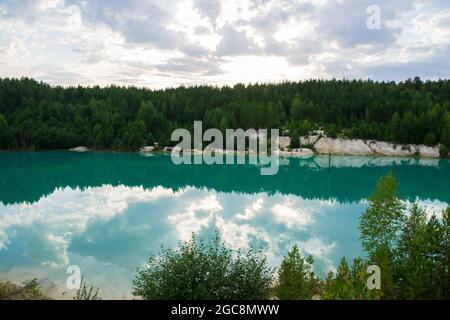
x=443, y=150
x=200, y=270
x=29, y=290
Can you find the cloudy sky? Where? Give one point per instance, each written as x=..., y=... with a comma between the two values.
x=159, y=44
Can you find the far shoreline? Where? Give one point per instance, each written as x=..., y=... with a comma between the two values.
x=168, y=153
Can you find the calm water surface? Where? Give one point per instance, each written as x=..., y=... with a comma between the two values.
x=107, y=212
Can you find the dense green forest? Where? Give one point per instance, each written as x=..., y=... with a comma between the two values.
x=34, y=115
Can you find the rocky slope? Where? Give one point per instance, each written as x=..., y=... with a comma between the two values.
x=360, y=147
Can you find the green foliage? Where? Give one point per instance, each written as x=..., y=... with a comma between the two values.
x=422, y=256
x=45, y=117
x=349, y=283
x=384, y=218
x=150, y=140
x=412, y=253
x=383, y=257
x=430, y=139
x=204, y=270
x=305, y=128
x=29, y=290
x=445, y=138
x=296, y=279
x=444, y=151
x=332, y=131
x=134, y=135
x=411, y=250
x=4, y=133
x=444, y=254
x=295, y=141
x=87, y=292
x=297, y=108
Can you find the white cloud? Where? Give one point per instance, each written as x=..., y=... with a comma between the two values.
x=432, y=207
x=292, y=217
x=197, y=215
x=72, y=209
x=160, y=44
x=319, y=251
x=433, y=28
x=252, y=210
x=236, y=236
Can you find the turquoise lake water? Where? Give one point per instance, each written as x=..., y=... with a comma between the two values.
x=107, y=212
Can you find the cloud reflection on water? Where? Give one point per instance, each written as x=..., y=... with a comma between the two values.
x=109, y=231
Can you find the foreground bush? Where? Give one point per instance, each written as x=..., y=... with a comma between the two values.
x=29, y=290
x=204, y=270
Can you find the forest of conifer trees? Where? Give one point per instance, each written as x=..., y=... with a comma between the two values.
x=36, y=116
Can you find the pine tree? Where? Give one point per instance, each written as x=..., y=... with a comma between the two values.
x=349, y=283
x=296, y=278
x=384, y=258
x=4, y=132
x=445, y=138
x=429, y=140
x=295, y=141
